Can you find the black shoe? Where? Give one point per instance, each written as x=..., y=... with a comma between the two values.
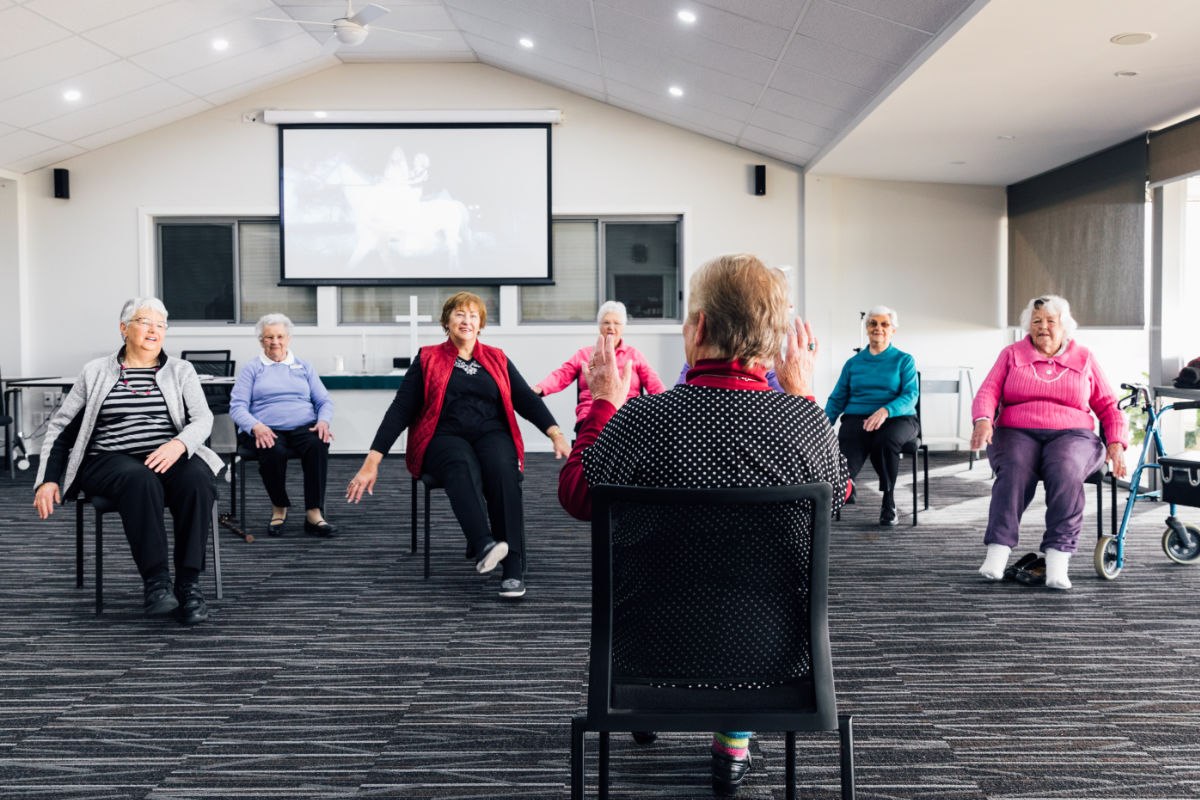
x=887, y=512
x=159, y=599
x=645, y=737
x=192, y=608
x=275, y=526
x=512, y=588
x=728, y=773
x=322, y=529
x=490, y=556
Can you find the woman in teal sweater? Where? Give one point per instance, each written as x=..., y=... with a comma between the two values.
x=876, y=397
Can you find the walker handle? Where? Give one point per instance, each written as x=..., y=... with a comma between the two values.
x=1184, y=405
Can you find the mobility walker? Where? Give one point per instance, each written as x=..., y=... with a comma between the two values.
x=1180, y=486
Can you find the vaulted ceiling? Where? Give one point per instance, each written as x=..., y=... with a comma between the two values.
x=946, y=90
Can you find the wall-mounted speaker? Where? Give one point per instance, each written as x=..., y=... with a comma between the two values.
x=760, y=178
x=62, y=184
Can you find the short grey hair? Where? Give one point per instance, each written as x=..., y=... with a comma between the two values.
x=1055, y=305
x=136, y=304
x=612, y=307
x=879, y=311
x=272, y=319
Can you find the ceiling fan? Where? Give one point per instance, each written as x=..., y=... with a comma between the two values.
x=352, y=29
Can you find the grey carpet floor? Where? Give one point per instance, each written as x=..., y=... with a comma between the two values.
x=332, y=669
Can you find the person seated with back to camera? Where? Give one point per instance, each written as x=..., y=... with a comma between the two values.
x=723, y=428
x=132, y=430
x=279, y=403
x=876, y=397
x=611, y=318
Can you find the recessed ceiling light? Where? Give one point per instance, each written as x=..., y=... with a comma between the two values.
x=675, y=91
x=1125, y=73
x=526, y=41
x=71, y=95
x=1132, y=38
x=320, y=114
x=220, y=44
x=686, y=16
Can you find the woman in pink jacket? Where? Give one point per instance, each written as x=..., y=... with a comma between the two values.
x=612, y=318
x=1041, y=394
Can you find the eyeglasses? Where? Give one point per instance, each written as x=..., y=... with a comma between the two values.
x=875, y=323
x=149, y=323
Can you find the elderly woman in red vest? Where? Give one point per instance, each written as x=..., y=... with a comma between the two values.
x=459, y=402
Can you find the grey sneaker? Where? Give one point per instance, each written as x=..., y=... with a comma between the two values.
x=493, y=553
x=512, y=588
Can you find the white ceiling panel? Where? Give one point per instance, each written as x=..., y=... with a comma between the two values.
x=687, y=123
x=538, y=58
x=835, y=61
x=551, y=72
x=295, y=70
x=22, y=144
x=861, y=33
x=173, y=21
x=660, y=69
x=621, y=94
x=806, y=110
x=576, y=12
x=657, y=84
x=22, y=30
x=545, y=32
x=712, y=24
x=97, y=86
x=115, y=112
x=83, y=15
x=925, y=15
x=194, y=52
x=780, y=13
x=149, y=122
x=779, y=143
x=805, y=86
x=46, y=158
x=235, y=71
x=788, y=126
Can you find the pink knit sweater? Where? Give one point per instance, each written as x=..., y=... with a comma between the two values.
x=572, y=370
x=1033, y=390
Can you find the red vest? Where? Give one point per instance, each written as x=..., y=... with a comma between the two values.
x=437, y=364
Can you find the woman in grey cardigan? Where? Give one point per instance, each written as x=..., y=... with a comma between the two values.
x=128, y=431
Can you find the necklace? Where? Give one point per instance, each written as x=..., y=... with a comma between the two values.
x=1049, y=371
x=125, y=381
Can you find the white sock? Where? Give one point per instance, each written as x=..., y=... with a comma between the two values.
x=1056, y=569
x=995, y=561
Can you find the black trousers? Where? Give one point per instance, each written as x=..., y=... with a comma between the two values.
x=882, y=445
x=141, y=494
x=272, y=464
x=483, y=481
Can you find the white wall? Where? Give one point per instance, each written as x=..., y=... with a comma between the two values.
x=936, y=253
x=10, y=277
x=87, y=255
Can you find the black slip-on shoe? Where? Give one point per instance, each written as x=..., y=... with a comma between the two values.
x=1033, y=574
x=645, y=737
x=192, y=607
x=512, y=588
x=728, y=773
x=275, y=526
x=159, y=599
x=1010, y=574
x=322, y=529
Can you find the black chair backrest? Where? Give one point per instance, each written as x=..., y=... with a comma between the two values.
x=210, y=362
x=710, y=587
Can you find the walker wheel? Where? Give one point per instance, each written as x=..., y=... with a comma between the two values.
x=1180, y=549
x=1105, y=558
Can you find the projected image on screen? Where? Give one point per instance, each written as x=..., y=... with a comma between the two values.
x=414, y=204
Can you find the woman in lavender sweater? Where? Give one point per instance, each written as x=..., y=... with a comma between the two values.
x=279, y=403
x=1034, y=412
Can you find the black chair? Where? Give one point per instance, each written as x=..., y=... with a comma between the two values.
x=237, y=477
x=911, y=448
x=430, y=483
x=6, y=422
x=216, y=363
x=769, y=579
x=102, y=506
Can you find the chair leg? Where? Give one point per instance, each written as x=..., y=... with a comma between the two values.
x=789, y=761
x=1113, y=504
x=925, y=465
x=233, y=486
x=427, y=532
x=915, y=489
x=79, y=544
x=216, y=545
x=242, y=490
x=99, y=564
x=578, y=783
x=603, y=765
x=846, y=732
x=413, y=504
x=1100, y=509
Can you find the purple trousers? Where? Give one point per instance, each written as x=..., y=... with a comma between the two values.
x=1061, y=460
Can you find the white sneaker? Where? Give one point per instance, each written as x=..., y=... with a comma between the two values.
x=993, y=564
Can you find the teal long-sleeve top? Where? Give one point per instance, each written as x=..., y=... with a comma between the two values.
x=871, y=382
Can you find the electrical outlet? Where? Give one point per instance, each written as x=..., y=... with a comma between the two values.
x=47, y=399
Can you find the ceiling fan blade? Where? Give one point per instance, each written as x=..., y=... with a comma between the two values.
x=297, y=21
x=407, y=33
x=368, y=13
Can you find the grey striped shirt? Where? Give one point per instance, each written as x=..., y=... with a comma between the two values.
x=133, y=417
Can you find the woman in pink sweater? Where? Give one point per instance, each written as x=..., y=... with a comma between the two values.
x=611, y=318
x=1034, y=412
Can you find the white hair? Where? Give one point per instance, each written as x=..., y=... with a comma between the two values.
x=1055, y=305
x=879, y=311
x=272, y=319
x=136, y=304
x=612, y=307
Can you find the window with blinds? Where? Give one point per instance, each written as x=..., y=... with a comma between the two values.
x=384, y=303
x=221, y=270
x=635, y=260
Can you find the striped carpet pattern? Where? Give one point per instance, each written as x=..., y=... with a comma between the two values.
x=332, y=669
